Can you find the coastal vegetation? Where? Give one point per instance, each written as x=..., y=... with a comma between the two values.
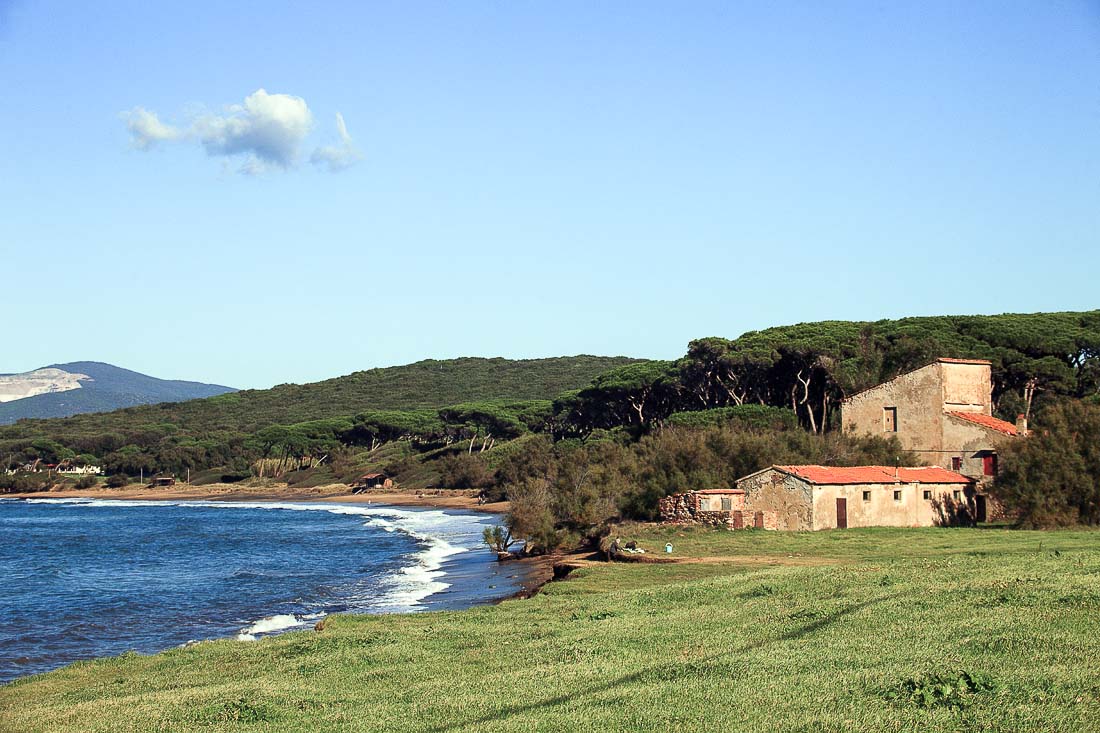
x=866, y=630
x=581, y=441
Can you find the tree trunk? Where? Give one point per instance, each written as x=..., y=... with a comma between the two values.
x=1030, y=388
x=806, y=398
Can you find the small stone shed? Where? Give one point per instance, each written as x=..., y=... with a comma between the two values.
x=829, y=497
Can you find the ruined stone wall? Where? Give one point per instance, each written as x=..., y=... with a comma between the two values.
x=688, y=508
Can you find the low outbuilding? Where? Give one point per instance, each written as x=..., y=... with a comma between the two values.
x=828, y=497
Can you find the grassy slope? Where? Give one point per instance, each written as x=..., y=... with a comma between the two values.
x=425, y=384
x=807, y=643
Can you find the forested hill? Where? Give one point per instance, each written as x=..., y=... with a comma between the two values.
x=425, y=384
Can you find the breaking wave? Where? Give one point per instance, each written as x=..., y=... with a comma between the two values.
x=405, y=590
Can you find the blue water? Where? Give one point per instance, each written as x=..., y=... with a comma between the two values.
x=89, y=578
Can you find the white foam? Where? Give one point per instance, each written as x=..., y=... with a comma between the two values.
x=269, y=625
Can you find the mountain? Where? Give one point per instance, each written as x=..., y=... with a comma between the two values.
x=62, y=390
x=425, y=384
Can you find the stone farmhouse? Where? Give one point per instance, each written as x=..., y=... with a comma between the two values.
x=941, y=412
x=825, y=497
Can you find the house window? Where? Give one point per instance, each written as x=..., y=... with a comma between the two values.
x=727, y=504
x=897, y=496
x=989, y=464
x=889, y=419
x=956, y=463
x=866, y=495
x=927, y=495
x=957, y=494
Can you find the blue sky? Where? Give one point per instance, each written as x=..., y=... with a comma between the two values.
x=531, y=179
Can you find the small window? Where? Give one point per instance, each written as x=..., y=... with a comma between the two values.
x=889, y=419
x=897, y=496
x=927, y=495
x=727, y=504
x=957, y=494
x=956, y=463
x=866, y=495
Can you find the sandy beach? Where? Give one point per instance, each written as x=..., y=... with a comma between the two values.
x=442, y=498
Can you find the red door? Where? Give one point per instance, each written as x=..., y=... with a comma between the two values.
x=989, y=464
x=842, y=514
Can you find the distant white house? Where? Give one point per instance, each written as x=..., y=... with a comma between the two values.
x=81, y=470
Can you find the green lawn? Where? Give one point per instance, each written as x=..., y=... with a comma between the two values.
x=851, y=630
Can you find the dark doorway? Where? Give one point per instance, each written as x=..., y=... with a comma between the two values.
x=842, y=514
x=980, y=510
x=738, y=520
x=758, y=520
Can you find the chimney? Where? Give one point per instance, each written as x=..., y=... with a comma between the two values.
x=1021, y=424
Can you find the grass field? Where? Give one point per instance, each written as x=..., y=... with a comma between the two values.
x=871, y=630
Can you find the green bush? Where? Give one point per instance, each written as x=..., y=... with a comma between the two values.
x=942, y=689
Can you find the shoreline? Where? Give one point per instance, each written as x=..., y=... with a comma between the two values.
x=530, y=574
x=538, y=570
x=336, y=493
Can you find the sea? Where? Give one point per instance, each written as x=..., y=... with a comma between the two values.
x=85, y=578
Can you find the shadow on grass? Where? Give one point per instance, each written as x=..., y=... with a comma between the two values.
x=666, y=672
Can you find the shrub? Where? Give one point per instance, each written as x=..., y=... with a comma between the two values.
x=465, y=471
x=1052, y=477
x=117, y=480
x=497, y=538
x=950, y=689
x=86, y=482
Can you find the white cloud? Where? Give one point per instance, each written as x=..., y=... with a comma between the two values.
x=146, y=129
x=340, y=156
x=266, y=132
x=268, y=129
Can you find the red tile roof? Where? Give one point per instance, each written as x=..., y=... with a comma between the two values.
x=964, y=361
x=875, y=475
x=719, y=491
x=1001, y=426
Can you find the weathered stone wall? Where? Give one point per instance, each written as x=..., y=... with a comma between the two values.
x=785, y=500
x=918, y=397
x=922, y=398
x=971, y=443
x=678, y=508
x=967, y=386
